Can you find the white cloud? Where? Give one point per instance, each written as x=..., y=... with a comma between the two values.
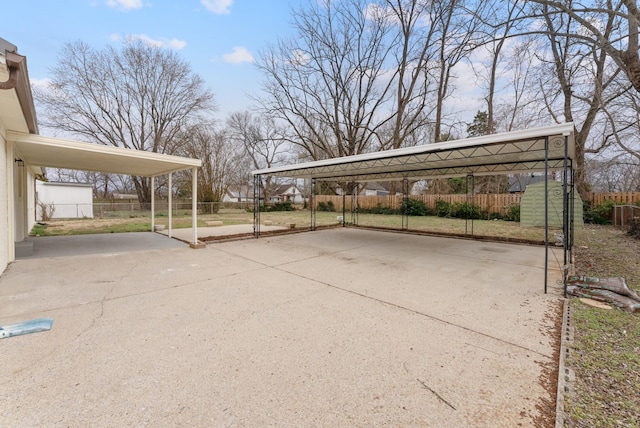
x=159, y=43
x=176, y=44
x=44, y=83
x=125, y=4
x=219, y=7
x=238, y=56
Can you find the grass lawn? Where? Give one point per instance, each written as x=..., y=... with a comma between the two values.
x=605, y=354
x=302, y=219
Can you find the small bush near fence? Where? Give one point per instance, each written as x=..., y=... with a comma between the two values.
x=634, y=227
x=379, y=209
x=513, y=213
x=414, y=207
x=598, y=214
x=278, y=206
x=326, y=206
x=465, y=210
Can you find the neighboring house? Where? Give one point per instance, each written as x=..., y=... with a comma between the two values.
x=286, y=192
x=125, y=196
x=63, y=200
x=374, y=189
x=241, y=194
x=371, y=189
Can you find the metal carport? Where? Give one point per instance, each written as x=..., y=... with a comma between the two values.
x=542, y=149
x=40, y=151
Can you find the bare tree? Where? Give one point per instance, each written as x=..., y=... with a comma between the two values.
x=493, y=39
x=220, y=157
x=623, y=126
x=596, y=19
x=363, y=75
x=579, y=84
x=262, y=142
x=616, y=174
x=519, y=108
x=138, y=96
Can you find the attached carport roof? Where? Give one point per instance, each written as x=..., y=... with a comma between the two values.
x=37, y=150
x=506, y=153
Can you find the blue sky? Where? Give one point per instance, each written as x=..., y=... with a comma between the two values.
x=218, y=38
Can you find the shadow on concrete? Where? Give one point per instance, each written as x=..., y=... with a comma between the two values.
x=75, y=245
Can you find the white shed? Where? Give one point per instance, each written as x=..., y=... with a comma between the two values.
x=63, y=200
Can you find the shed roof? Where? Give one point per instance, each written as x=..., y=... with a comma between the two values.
x=505, y=153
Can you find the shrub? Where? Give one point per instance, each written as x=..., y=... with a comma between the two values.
x=326, y=206
x=443, y=208
x=414, y=207
x=513, y=213
x=598, y=214
x=46, y=211
x=379, y=209
x=634, y=227
x=465, y=210
x=278, y=206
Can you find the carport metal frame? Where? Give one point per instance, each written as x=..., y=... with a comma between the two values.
x=543, y=149
x=40, y=151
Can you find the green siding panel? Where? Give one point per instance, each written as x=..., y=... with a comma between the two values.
x=532, y=206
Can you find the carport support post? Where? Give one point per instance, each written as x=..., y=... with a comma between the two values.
x=344, y=203
x=567, y=215
x=405, y=200
x=170, y=202
x=153, y=203
x=257, y=179
x=354, y=204
x=470, y=177
x=313, y=204
x=546, y=212
x=194, y=204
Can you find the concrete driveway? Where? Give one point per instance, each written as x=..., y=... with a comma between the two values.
x=341, y=327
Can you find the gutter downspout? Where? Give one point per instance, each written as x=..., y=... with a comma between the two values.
x=12, y=81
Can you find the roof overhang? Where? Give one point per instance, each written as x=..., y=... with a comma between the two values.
x=532, y=150
x=17, y=110
x=37, y=150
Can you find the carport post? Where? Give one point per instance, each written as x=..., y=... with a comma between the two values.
x=194, y=204
x=313, y=204
x=170, y=202
x=470, y=177
x=567, y=216
x=344, y=205
x=405, y=204
x=546, y=212
x=153, y=203
x=257, y=180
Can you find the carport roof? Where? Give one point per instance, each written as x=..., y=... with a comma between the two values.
x=506, y=153
x=37, y=150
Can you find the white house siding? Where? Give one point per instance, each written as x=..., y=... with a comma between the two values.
x=70, y=200
x=31, y=200
x=6, y=242
x=20, y=201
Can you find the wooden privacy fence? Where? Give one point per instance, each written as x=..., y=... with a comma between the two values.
x=497, y=203
x=491, y=203
x=623, y=214
x=620, y=198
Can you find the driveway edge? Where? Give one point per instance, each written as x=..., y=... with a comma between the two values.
x=565, y=374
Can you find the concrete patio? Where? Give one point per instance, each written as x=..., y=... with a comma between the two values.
x=341, y=327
